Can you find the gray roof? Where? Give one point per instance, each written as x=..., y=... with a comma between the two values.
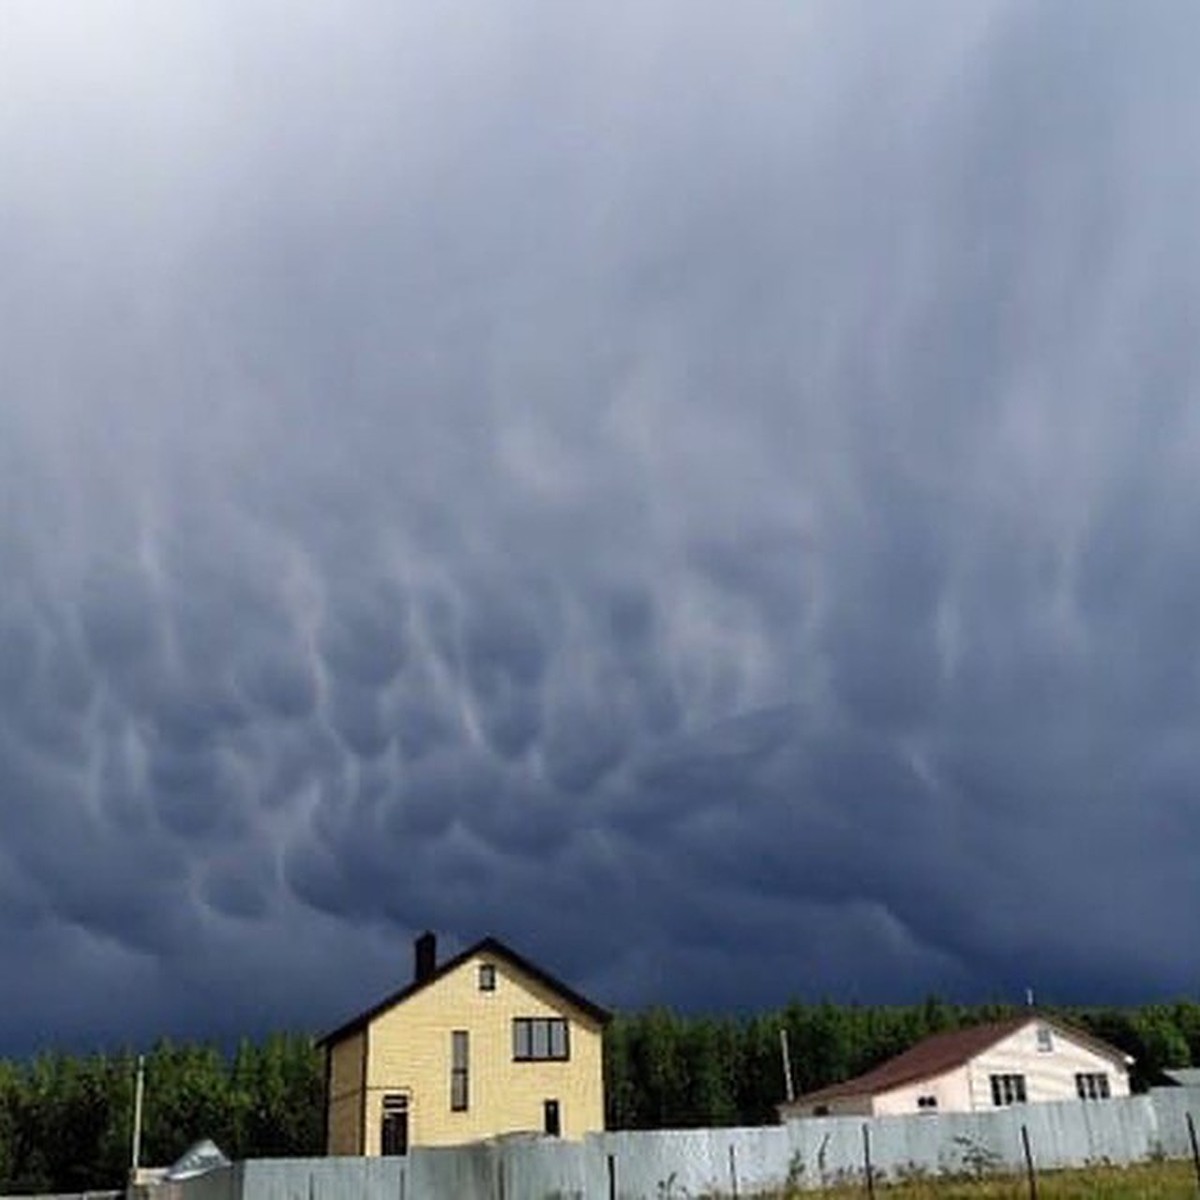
x=1184, y=1076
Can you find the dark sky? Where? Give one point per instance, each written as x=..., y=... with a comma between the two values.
x=706, y=493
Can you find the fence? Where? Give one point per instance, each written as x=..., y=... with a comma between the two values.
x=678, y=1164
x=651, y=1165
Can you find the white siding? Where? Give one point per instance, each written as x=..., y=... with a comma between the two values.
x=952, y=1090
x=1049, y=1075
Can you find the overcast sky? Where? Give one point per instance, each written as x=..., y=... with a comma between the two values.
x=706, y=493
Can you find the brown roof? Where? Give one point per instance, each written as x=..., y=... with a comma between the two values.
x=490, y=946
x=944, y=1052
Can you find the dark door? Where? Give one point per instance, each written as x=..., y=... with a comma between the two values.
x=394, y=1130
x=553, y=1121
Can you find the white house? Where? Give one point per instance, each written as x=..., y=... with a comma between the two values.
x=1028, y=1059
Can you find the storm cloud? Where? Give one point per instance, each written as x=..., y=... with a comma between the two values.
x=705, y=494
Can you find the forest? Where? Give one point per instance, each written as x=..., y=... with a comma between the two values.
x=65, y=1120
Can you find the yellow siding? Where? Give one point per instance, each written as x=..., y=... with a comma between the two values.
x=410, y=1055
x=345, y=1101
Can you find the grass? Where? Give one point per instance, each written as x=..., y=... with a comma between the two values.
x=1143, y=1181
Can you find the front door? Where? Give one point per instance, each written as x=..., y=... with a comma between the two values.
x=394, y=1129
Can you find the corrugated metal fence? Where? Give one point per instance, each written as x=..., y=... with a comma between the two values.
x=675, y=1164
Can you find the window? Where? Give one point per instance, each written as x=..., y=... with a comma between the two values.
x=1092, y=1085
x=1008, y=1089
x=927, y=1103
x=821, y=1110
x=487, y=977
x=536, y=1039
x=552, y=1118
x=459, y=1054
x=393, y=1132
x=1045, y=1040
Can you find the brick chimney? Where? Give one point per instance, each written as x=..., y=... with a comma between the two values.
x=424, y=957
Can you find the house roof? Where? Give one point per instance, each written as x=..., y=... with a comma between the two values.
x=944, y=1052
x=490, y=946
x=1184, y=1076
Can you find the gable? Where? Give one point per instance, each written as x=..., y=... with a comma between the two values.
x=456, y=994
x=517, y=969
x=1021, y=1045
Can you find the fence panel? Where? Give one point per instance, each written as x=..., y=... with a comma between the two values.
x=673, y=1164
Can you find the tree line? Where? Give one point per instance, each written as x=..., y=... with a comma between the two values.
x=66, y=1120
x=664, y=1070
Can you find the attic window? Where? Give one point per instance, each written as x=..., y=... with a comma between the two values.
x=487, y=977
x=926, y=1103
x=1045, y=1040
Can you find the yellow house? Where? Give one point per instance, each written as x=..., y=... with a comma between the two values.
x=484, y=1044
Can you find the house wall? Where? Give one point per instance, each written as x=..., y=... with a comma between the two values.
x=410, y=1054
x=838, y=1106
x=1049, y=1075
x=952, y=1090
x=345, y=1101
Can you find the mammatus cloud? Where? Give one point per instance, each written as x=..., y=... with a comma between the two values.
x=479, y=467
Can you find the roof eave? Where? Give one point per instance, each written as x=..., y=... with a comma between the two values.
x=487, y=945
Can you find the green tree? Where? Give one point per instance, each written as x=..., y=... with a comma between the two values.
x=276, y=1097
x=760, y=1070
x=621, y=1084
x=662, y=1069
x=710, y=1098
x=1186, y=1014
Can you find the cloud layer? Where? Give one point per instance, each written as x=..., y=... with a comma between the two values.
x=707, y=497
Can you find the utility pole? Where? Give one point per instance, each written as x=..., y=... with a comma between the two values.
x=787, y=1065
x=139, y=1090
